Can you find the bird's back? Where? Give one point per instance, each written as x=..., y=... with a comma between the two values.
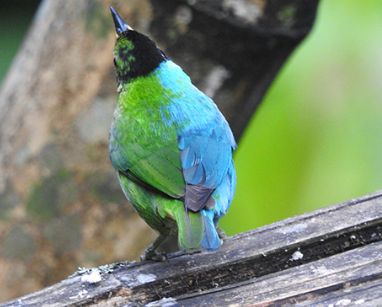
x=170, y=144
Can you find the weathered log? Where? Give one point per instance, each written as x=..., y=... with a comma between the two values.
x=329, y=256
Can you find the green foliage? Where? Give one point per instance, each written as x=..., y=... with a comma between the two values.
x=315, y=140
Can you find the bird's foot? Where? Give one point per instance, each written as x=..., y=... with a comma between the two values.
x=221, y=233
x=154, y=255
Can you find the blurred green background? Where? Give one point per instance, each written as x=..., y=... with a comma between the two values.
x=315, y=140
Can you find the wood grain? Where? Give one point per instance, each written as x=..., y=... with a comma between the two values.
x=323, y=257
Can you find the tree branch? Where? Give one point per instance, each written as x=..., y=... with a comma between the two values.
x=312, y=258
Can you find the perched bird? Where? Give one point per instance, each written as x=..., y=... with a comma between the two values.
x=171, y=146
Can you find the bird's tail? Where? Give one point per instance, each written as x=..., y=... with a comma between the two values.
x=196, y=230
x=211, y=240
x=190, y=229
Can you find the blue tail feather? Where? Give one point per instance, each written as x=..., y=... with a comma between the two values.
x=211, y=240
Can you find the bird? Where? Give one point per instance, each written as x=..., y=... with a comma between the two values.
x=171, y=147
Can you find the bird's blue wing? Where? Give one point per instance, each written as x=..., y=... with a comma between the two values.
x=205, y=139
x=205, y=156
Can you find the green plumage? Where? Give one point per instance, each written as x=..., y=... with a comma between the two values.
x=165, y=215
x=145, y=151
x=171, y=146
x=146, y=145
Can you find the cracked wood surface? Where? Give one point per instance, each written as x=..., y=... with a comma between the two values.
x=329, y=256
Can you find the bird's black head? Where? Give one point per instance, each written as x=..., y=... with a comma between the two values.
x=135, y=54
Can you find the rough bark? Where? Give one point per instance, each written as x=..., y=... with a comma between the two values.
x=315, y=259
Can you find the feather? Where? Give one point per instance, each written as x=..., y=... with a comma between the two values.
x=211, y=240
x=190, y=228
x=197, y=197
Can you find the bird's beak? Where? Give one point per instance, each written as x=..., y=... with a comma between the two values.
x=120, y=25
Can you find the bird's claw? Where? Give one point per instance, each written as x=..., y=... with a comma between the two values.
x=221, y=233
x=154, y=255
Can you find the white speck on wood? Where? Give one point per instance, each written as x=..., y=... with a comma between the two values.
x=80, y=294
x=297, y=255
x=92, y=278
x=145, y=278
